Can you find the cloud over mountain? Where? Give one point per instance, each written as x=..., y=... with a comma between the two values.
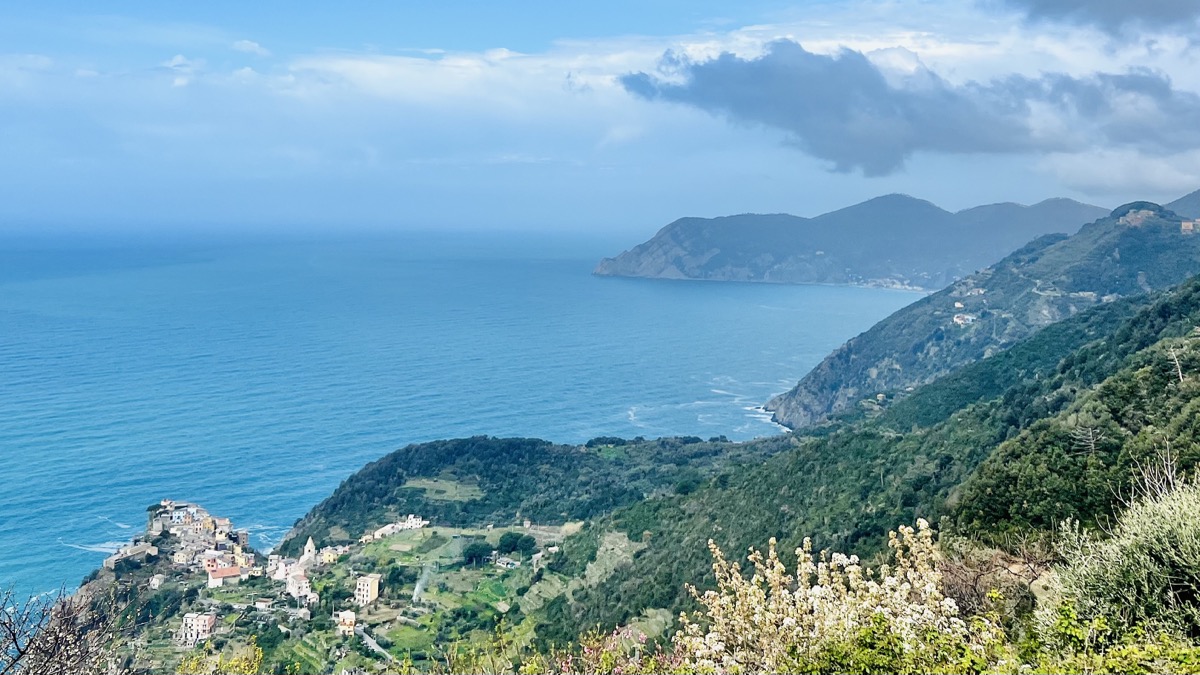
x=1113, y=15
x=845, y=109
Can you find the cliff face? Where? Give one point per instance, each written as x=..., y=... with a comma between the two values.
x=894, y=241
x=1138, y=248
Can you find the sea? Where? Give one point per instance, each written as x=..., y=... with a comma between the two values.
x=253, y=373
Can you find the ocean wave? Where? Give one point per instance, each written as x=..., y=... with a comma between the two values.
x=631, y=414
x=108, y=547
x=123, y=526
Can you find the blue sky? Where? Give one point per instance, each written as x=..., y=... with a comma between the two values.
x=610, y=117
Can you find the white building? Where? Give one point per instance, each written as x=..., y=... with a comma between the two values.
x=196, y=628
x=412, y=522
x=345, y=622
x=298, y=585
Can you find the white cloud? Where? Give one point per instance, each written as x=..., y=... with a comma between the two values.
x=250, y=47
x=1103, y=172
x=432, y=117
x=180, y=63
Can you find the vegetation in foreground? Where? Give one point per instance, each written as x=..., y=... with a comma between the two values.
x=1123, y=602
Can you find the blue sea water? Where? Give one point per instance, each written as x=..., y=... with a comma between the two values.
x=253, y=375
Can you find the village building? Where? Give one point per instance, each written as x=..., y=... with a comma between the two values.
x=330, y=554
x=964, y=319
x=138, y=550
x=345, y=622
x=262, y=604
x=281, y=569
x=1135, y=218
x=156, y=581
x=211, y=560
x=224, y=576
x=412, y=522
x=298, y=585
x=310, y=552
x=242, y=557
x=196, y=628
x=366, y=589
x=1189, y=226
x=507, y=563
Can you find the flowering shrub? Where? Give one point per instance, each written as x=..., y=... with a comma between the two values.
x=245, y=661
x=834, y=615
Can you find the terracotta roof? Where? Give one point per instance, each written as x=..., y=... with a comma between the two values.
x=226, y=572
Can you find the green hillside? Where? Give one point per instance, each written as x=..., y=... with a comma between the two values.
x=894, y=240
x=477, y=481
x=1138, y=248
x=849, y=486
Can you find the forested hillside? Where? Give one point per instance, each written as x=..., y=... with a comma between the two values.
x=1140, y=247
x=483, y=480
x=848, y=486
x=894, y=240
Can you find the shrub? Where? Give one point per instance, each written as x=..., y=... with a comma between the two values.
x=1146, y=574
x=831, y=616
x=835, y=616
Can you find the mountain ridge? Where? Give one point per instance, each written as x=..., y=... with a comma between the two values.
x=893, y=240
x=1139, y=247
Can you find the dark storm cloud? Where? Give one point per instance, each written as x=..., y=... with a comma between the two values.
x=843, y=109
x=1113, y=15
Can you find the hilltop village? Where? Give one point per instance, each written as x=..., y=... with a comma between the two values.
x=196, y=576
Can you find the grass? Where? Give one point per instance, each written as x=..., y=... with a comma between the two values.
x=490, y=591
x=439, y=489
x=615, y=550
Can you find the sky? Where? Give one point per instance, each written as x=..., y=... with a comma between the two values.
x=613, y=117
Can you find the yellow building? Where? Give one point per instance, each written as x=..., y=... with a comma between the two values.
x=366, y=589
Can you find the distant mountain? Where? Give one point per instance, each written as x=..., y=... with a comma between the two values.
x=1187, y=206
x=895, y=240
x=1138, y=248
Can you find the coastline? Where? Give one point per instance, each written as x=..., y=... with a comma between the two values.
x=875, y=284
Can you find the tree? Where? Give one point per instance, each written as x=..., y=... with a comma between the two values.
x=508, y=542
x=526, y=545
x=60, y=634
x=476, y=552
x=516, y=542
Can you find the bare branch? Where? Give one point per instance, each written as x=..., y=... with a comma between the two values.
x=60, y=634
